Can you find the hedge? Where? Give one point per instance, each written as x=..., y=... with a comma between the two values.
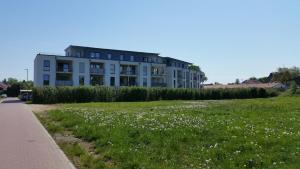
x=49, y=95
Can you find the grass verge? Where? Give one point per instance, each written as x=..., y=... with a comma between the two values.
x=254, y=133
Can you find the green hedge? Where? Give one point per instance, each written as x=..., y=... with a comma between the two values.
x=48, y=95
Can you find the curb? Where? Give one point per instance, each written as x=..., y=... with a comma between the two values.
x=51, y=139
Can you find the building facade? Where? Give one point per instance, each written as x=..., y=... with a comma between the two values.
x=96, y=66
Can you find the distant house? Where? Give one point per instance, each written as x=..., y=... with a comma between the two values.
x=3, y=86
x=252, y=81
x=249, y=84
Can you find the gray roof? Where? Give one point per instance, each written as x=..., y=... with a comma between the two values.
x=94, y=48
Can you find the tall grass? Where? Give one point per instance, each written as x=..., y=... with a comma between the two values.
x=49, y=95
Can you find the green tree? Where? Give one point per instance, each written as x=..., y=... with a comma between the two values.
x=285, y=75
x=294, y=88
x=12, y=81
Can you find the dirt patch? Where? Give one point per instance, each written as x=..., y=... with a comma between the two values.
x=41, y=108
x=70, y=139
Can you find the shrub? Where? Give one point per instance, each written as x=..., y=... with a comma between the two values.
x=48, y=95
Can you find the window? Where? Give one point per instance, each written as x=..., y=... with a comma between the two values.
x=145, y=84
x=46, y=79
x=145, y=59
x=174, y=74
x=92, y=54
x=155, y=71
x=81, y=80
x=112, y=81
x=112, y=69
x=109, y=56
x=121, y=57
x=126, y=58
x=174, y=83
x=65, y=67
x=46, y=65
x=132, y=58
x=145, y=71
x=97, y=55
x=78, y=54
x=81, y=67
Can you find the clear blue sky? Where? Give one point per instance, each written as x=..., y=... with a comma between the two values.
x=227, y=39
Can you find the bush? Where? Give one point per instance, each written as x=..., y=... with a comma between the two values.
x=48, y=95
x=13, y=90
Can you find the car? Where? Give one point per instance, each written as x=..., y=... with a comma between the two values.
x=25, y=95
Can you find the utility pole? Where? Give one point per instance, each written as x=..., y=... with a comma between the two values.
x=27, y=73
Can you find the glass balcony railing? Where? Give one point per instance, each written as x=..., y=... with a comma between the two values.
x=64, y=83
x=97, y=71
x=158, y=73
x=63, y=70
x=158, y=84
x=126, y=72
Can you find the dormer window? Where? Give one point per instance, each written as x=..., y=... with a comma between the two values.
x=97, y=55
x=92, y=54
x=145, y=59
x=121, y=57
x=109, y=56
x=78, y=54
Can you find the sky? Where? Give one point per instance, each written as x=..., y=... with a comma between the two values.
x=228, y=39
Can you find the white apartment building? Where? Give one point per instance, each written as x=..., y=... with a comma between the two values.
x=97, y=66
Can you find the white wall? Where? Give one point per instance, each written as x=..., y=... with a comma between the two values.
x=39, y=72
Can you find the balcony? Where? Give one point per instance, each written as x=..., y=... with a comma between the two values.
x=64, y=67
x=128, y=73
x=158, y=84
x=97, y=71
x=158, y=74
x=64, y=83
x=63, y=70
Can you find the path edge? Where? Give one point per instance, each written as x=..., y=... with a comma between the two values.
x=50, y=137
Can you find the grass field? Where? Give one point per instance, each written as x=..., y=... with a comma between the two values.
x=255, y=133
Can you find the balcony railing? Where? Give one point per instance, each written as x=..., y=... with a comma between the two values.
x=129, y=84
x=97, y=71
x=180, y=76
x=125, y=72
x=63, y=70
x=158, y=74
x=64, y=83
x=158, y=84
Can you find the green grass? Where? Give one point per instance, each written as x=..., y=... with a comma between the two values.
x=254, y=133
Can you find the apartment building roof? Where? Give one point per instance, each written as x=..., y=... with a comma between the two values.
x=177, y=60
x=94, y=48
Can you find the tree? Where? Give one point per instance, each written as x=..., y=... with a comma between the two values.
x=12, y=81
x=13, y=90
x=294, y=88
x=252, y=78
x=264, y=79
x=237, y=81
x=4, y=81
x=15, y=86
x=284, y=75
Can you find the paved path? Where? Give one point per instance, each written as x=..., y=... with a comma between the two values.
x=24, y=143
